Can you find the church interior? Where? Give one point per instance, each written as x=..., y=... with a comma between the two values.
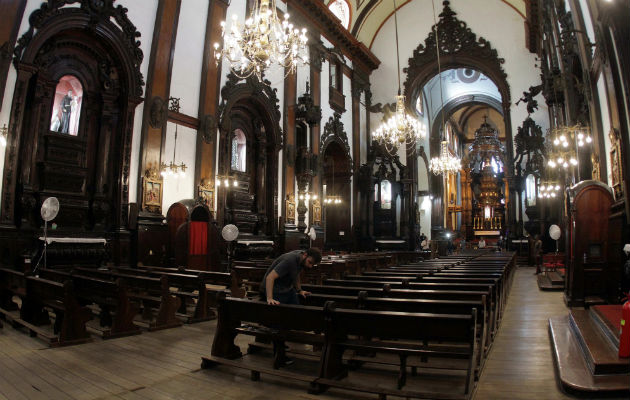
x=460, y=164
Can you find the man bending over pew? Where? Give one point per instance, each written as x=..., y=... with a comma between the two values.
x=281, y=285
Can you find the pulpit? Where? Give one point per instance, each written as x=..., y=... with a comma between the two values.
x=193, y=236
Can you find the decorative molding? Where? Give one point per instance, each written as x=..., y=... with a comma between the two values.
x=333, y=131
x=458, y=46
x=208, y=127
x=98, y=13
x=319, y=14
x=306, y=109
x=530, y=145
x=252, y=88
x=158, y=112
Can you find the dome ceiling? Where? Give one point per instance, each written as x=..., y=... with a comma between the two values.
x=367, y=16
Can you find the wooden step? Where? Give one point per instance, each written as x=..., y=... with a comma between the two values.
x=544, y=283
x=574, y=374
x=600, y=354
x=555, y=278
x=611, y=331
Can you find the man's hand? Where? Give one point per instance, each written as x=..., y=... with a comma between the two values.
x=304, y=293
x=272, y=301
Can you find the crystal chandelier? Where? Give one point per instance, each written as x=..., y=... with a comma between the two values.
x=548, y=190
x=263, y=40
x=401, y=128
x=566, y=143
x=446, y=163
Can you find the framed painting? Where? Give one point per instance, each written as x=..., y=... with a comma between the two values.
x=290, y=209
x=616, y=163
x=152, y=195
x=206, y=194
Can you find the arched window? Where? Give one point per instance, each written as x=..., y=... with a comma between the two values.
x=66, y=111
x=341, y=9
x=239, y=151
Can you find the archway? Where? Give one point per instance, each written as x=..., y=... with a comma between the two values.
x=84, y=158
x=248, y=157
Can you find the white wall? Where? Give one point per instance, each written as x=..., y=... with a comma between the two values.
x=603, y=104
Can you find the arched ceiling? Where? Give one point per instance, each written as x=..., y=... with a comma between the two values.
x=367, y=16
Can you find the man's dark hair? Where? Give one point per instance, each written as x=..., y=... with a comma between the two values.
x=315, y=254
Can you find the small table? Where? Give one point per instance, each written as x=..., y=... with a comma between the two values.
x=67, y=251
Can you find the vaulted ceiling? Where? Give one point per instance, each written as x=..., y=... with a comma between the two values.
x=367, y=16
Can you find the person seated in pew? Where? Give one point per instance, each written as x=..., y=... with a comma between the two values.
x=281, y=284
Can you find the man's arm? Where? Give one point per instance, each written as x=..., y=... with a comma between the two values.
x=298, y=287
x=271, y=278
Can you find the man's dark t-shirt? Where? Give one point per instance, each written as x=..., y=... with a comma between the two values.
x=288, y=267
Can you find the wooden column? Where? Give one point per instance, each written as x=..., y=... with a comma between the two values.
x=11, y=11
x=357, y=89
x=209, y=94
x=288, y=127
x=158, y=87
x=316, y=54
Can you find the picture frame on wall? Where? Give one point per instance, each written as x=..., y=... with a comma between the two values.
x=616, y=163
x=207, y=196
x=152, y=194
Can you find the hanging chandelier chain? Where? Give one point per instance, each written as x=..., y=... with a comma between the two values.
x=437, y=51
x=401, y=129
x=397, y=50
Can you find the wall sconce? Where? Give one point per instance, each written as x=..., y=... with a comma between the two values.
x=3, y=135
x=307, y=197
x=173, y=169
x=226, y=181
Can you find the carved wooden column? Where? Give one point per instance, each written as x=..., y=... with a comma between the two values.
x=290, y=88
x=466, y=180
x=316, y=55
x=357, y=89
x=158, y=88
x=11, y=10
x=208, y=103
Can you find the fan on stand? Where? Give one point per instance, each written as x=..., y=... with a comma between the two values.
x=554, y=232
x=229, y=234
x=49, y=211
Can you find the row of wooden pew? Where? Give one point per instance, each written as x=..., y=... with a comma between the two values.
x=122, y=300
x=445, y=312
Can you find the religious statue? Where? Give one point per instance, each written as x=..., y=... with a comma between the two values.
x=595, y=171
x=528, y=98
x=66, y=112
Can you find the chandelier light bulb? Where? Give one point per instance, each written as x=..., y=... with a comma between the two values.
x=588, y=139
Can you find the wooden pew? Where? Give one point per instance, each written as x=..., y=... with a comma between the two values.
x=38, y=295
x=117, y=311
x=153, y=293
x=342, y=330
x=364, y=302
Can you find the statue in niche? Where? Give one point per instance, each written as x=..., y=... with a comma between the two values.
x=66, y=109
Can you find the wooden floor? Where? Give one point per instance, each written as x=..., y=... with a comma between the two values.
x=165, y=364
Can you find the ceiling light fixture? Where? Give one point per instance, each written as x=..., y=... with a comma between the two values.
x=401, y=129
x=261, y=42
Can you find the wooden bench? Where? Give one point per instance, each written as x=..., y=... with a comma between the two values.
x=38, y=296
x=345, y=329
x=116, y=310
x=153, y=293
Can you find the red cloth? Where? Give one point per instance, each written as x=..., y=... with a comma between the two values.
x=198, y=238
